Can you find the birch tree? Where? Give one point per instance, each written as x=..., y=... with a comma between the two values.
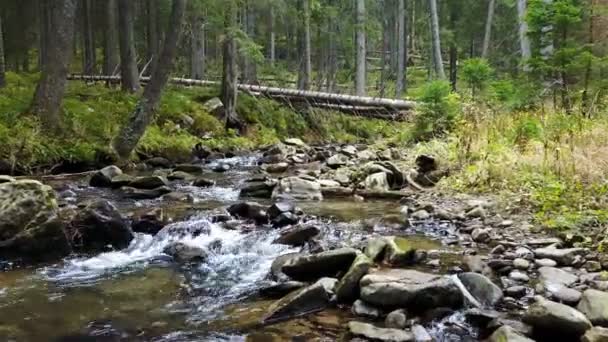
x=436, y=40
x=488, y=31
x=361, y=53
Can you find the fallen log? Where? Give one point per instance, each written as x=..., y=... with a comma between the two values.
x=316, y=96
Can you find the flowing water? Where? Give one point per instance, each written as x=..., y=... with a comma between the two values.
x=138, y=294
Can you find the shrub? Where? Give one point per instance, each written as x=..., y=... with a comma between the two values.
x=476, y=72
x=438, y=112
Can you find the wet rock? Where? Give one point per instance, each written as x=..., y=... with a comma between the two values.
x=142, y=194
x=179, y=175
x=99, y=226
x=595, y=334
x=189, y=168
x=258, y=188
x=593, y=266
x=521, y=264
x=563, y=256
x=275, y=168
x=421, y=215
x=182, y=252
x=566, y=295
x=148, y=182
x=551, y=276
x=474, y=263
x=360, y=308
x=308, y=300
x=319, y=265
x=545, y=263
x=558, y=320
x=285, y=219
x=249, y=210
x=278, y=290
x=276, y=272
x=366, y=155
x=375, y=248
x=421, y=334
x=508, y=334
x=298, y=188
x=482, y=288
x=481, y=234
x=159, y=162
x=371, y=332
x=150, y=222
x=347, y=288
x=222, y=167
x=524, y=253
x=409, y=289
x=279, y=208
x=328, y=183
x=519, y=276
x=517, y=291
x=329, y=284
x=477, y=212
x=202, y=182
x=399, y=251
x=337, y=160
x=480, y=317
x=121, y=180
x=103, y=177
x=396, y=319
x=297, y=236
x=426, y=163
x=177, y=196
x=594, y=304
x=377, y=182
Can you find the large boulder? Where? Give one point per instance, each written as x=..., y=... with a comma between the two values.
x=348, y=287
x=298, y=188
x=551, y=319
x=250, y=211
x=103, y=177
x=98, y=226
x=150, y=222
x=319, y=265
x=297, y=236
x=373, y=333
x=508, y=334
x=258, y=188
x=418, y=291
x=481, y=288
x=563, y=256
x=594, y=304
x=308, y=300
x=182, y=252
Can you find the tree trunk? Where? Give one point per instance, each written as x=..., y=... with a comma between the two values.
x=128, y=58
x=152, y=31
x=524, y=41
x=487, y=37
x=142, y=116
x=229, y=73
x=2, y=66
x=588, y=68
x=88, y=39
x=44, y=23
x=361, y=53
x=401, y=48
x=436, y=40
x=454, y=12
x=110, y=48
x=51, y=86
x=249, y=66
x=332, y=55
x=305, y=70
x=385, y=47
x=197, y=48
x=272, y=42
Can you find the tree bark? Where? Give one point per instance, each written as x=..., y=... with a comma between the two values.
x=585, y=100
x=44, y=23
x=152, y=31
x=229, y=74
x=401, y=48
x=488, y=32
x=51, y=86
x=2, y=65
x=436, y=40
x=88, y=39
x=197, y=48
x=128, y=57
x=272, y=38
x=110, y=48
x=305, y=70
x=524, y=40
x=249, y=66
x=361, y=53
x=385, y=47
x=142, y=116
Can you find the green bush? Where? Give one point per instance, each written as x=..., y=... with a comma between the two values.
x=476, y=72
x=438, y=113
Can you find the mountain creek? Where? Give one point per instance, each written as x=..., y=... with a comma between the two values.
x=291, y=243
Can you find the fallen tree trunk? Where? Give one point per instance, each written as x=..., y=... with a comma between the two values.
x=312, y=96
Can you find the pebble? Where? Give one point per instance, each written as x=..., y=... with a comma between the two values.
x=396, y=319
x=567, y=296
x=500, y=249
x=524, y=253
x=521, y=264
x=519, y=276
x=517, y=291
x=545, y=263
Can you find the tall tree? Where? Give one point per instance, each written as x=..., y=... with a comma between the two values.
x=110, y=46
x=229, y=72
x=272, y=35
x=142, y=116
x=51, y=86
x=436, y=40
x=305, y=70
x=197, y=47
x=2, y=66
x=152, y=34
x=402, y=49
x=128, y=56
x=488, y=31
x=524, y=40
x=249, y=23
x=88, y=38
x=361, y=51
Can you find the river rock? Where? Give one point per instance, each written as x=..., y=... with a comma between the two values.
x=399, y=251
x=203, y=182
x=222, y=167
x=521, y=264
x=143, y=194
x=298, y=188
x=519, y=276
x=6, y=179
x=594, y=304
x=98, y=226
x=477, y=212
x=276, y=268
x=361, y=308
x=481, y=234
x=275, y=168
x=337, y=160
x=375, y=248
x=555, y=277
x=482, y=288
x=279, y=290
x=545, y=263
x=516, y=291
x=595, y=334
x=508, y=334
x=297, y=236
x=318, y=265
x=258, y=188
x=371, y=332
x=396, y=319
x=179, y=175
x=159, y=162
x=409, y=289
x=150, y=222
x=182, y=252
x=421, y=215
x=103, y=177
x=347, y=288
x=148, y=182
x=566, y=295
x=553, y=319
x=308, y=300
x=279, y=208
x=563, y=256
x=285, y=219
x=189, y=168
x=250, y=211
x=121, y=180
x=377, y=182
